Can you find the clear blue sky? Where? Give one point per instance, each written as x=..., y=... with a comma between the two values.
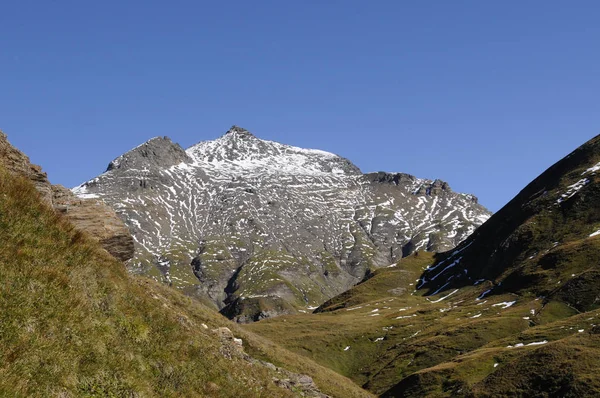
x=482, y=94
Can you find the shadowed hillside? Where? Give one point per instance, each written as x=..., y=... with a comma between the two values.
x=539, y=242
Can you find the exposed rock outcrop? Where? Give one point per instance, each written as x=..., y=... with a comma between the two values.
x=89, y=215
x=232, y=347
x=97, y=219
x=17, y=162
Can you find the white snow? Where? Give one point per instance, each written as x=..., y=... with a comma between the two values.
x=538, y=343
x=88, y=196
x=518, y=345
x=262, y=156
x=573, y=189
x=440, y=289
x=475, y=316
x=81, y=191
x=352, y=309
x=482, y=295
x=505, y=304
x=347, y=348
x=445, y=297
x=595, y=233
x=592, y=169
x=407, y=316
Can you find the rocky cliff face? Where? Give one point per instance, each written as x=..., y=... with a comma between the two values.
x=260, y=228
x=97, y=219
x=89, y=215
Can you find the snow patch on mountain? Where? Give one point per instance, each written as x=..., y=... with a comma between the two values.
x=263, y=221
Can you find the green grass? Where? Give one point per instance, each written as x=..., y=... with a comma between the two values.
x=74, y=323
x=415, y=346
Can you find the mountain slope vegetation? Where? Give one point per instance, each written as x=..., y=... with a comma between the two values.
x=73, y=323
x=512, y=311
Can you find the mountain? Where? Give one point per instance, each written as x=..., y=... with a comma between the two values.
x=541, y=243
x=269, y=228
x=75, y=323
x=514, y=310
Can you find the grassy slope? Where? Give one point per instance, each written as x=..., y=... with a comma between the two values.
x=74, y=323
x=357, y=318
x=445, y=348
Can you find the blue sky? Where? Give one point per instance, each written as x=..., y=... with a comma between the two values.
x=485, y=95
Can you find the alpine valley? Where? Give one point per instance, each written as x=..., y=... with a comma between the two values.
x=513, y=311
x=436, y=306
x=258, y=229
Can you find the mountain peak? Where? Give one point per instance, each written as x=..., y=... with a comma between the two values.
x=238, y=131
x=156, y=152
x=240, y=151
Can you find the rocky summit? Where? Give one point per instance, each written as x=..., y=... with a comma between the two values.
x=259, y=229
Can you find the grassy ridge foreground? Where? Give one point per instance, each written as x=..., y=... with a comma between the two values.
x=73, y=323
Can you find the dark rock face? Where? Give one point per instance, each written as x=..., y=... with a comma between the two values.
x=550, y=226
x=254, y=309
x=272, y=228
x=88, y=215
